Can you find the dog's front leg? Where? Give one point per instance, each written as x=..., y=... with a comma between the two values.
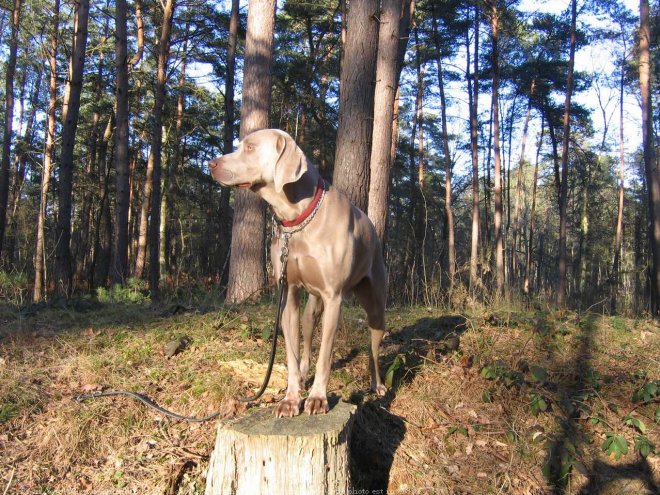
x=290, y=405
x=317, y=401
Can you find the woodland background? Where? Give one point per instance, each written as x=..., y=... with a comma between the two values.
x=484, y=177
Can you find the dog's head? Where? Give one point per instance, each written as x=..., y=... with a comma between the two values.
x=269, y=156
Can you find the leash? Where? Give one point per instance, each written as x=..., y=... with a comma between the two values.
x=284, y=258
x=147, y=401
x=287, y=229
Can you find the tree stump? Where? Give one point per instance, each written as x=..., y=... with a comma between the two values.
x=260, y=453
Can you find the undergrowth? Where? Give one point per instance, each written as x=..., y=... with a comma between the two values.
x=485, y=401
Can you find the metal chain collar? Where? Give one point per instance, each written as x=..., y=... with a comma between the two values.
x=285, y=234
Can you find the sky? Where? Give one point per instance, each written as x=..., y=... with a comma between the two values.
x=595, y=58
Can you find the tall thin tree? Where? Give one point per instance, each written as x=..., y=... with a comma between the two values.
x=51, y=122
x=449, y=211
x=384, y=98
x=473, y=104
x=651, y=165
x=119, y=269
x=228, y=138
x=156, y=145
x=563, y=198
x=499, y=240
x=9, y=119
x=70, y=113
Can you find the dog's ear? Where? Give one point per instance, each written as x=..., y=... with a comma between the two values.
x=291, y=164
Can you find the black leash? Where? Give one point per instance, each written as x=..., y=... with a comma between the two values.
x=284, y=257
x=146, y=401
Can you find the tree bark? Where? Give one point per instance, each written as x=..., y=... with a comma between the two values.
x=651, y=166
x=449, y=212
x=384, y=98
x=618, y=236
x=258, y=452
x=473, y=95
x=247, y=277
x=38, y=291
x=499, y=241
x=532, y=215
x=563, y=254
x=519, y=188
x=228, y=143
x=119, y=270
x=356, y=103
x=70, y=113
x=139, y=25
x=9, y=119
x=156, y=147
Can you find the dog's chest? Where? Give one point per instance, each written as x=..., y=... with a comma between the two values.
x=303, y=264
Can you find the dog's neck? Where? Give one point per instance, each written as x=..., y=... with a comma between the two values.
x=295, y=198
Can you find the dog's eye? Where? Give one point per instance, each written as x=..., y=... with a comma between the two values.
x=249, y=147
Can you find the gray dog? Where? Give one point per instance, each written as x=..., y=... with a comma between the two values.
x=333, y=249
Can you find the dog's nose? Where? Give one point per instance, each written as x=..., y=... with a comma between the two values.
x=214, y=163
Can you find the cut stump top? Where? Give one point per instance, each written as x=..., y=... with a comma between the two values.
x=263, y=422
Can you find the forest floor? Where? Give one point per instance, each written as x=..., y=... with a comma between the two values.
x=485, y=401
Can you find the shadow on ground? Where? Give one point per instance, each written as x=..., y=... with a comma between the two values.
x=571, y=439
x=377, y=433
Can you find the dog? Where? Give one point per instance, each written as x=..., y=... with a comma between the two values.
x=333, y=249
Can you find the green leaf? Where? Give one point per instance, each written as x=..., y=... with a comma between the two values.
x=657, y=415
x=486, y=397
x=615, y=444
x=635, y=423
x=643, y=446
x=397, y=364
x=539, y=374
x=457, y=429
x=488, y=372
x=538, y=404
x=646, y=392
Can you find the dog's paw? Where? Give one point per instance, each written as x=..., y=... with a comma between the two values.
x=380, y=390
x=287, y=408
x=316, y=405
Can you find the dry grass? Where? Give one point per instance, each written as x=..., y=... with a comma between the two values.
x=447, y=427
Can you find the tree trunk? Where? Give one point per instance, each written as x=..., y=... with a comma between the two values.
x=9, y=119
x=618, y=236
x=563, y=255
x=473, y=95
x=384, y=98
x=143, y=228
x=70, y=113
x=449, y=213
x=156, y=146
x=228, y=145
x=356, y=103
x=22, y=150
x=247, y=277
x=139, y=24
x=38, y=292
x=532, y=215
x=101, y=247
x=259, y=452
x=119, y=270
x=519, y=187
x=651, y=166
x=584, y=232
x=499, y=241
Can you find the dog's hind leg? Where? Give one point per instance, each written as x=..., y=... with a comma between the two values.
x=371, y=294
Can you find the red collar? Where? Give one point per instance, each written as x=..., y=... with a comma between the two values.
x=307, y=211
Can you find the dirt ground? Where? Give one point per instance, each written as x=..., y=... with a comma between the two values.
x=488, y=401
